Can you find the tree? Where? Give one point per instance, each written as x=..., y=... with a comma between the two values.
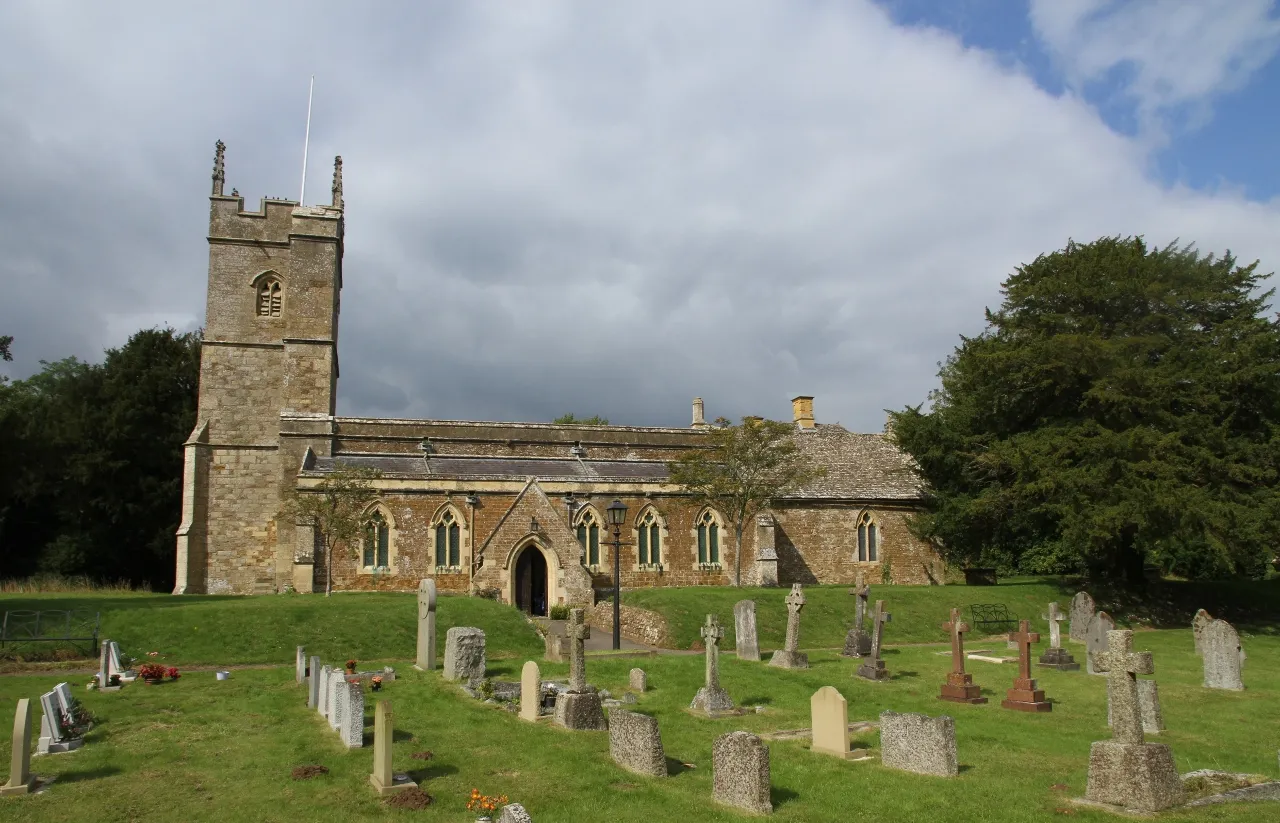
x=336, y=509
x=1120, y=407
x=571, y=420
x=742, y=470
x=5, y=342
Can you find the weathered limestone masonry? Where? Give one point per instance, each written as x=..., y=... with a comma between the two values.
x=505, y=508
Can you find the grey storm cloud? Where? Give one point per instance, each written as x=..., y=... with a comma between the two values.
x=569, y=206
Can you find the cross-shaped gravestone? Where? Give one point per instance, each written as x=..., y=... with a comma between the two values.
x=711, y=633
x=578, y=632
x=858, y=643
x=1025, y=696
x=959, y=687
x=1122, y=665
x=1056, y=657
x=874, y=669
x=790, y=656
x=1055, y=618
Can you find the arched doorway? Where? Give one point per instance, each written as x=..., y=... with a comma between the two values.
x=531, y=582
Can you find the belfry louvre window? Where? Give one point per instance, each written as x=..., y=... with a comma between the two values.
x=376, y=543
x=269, y=298
x=868, y=539
x=448, y=538
x=708, y=538
x=649, y=539
x=589, y=537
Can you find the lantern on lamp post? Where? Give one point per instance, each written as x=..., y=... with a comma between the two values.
x=615, y=515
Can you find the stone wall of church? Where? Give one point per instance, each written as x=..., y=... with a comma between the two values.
x=242, y=507
x=819, y=544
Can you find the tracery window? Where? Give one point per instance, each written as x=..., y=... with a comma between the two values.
x=448, y=540
x=588, y=532
x=270, y=297
x=649, y=538
x=709, y=528
x=377, y=542
x=868, y=539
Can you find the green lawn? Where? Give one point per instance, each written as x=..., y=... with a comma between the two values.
x=199, y=749
x=918, y=611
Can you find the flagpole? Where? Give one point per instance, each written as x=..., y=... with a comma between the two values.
x=306, y=142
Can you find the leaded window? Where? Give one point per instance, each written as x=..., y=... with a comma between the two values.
x=649, y=539
x=588, y=532
x=868, y=539
x=377, y=539
x=708, y=538
x=448, y=540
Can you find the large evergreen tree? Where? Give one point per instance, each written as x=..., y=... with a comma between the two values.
x=1120, y=408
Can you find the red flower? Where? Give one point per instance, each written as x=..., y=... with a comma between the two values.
x=173, y=673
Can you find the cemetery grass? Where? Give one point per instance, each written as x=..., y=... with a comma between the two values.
x=918, y=611
x=198, y=749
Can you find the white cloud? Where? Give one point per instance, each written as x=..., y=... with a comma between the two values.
x=1169, y=54
x=586, y=207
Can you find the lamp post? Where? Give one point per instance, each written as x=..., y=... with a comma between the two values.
x=616, y=514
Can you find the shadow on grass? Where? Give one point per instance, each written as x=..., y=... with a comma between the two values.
x=676, y=766
x=427, y=772
x=903, y=675
x=964, y=767
x=780, y=796
x=756, y=701
x=89, y=774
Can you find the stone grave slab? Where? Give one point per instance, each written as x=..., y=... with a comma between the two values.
x=530, y=692
x=919, y=743
x=634, y=743
x=464, y=655
x=740, y=772
x=20, y=779
x=1223, y=656
x=383, y=779
x=744, y=630
x=1083, y=610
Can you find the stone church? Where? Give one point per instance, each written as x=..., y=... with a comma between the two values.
x=513, y=510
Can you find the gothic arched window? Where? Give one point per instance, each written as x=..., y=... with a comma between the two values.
x=377, y=542
x=448, y=540
x=270, y=297
x=649, y=538
x=588, y=533
x=868, y=539
x=709, y=529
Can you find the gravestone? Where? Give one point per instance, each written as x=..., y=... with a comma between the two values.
x=873, y=668
x=1025, y=696
x=711, y=698
x=829, y=722
x=1148, y=707
x=1223, y=656
x=740, y=772
x=919, y=743
x=744, y=630
x=464, y=655
x=1125, y=771
x=66, y=702
x=113, y=663
x=322, y=704
x=1056, y=657
x=1096, y=641
x=639, y=681
x=959, y=687
x=530, y=692
x=351, y=728
x=790, y=656
x=383, y=779
x=1198, y=624
x=857, y=643
x=104, y=667
x=579, y=707
x=553, y=647
x=313, y=683
x=514, y=813
x=426, y=658
x=300, y=666
x=1083, y=610
x=634, y=743
x=55, y=738
x=20, y=779
x=337, y=702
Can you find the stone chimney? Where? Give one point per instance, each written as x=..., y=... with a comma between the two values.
x=802, y=411
x=699, y=421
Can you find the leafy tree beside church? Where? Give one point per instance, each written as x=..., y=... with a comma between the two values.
x=1120, y=408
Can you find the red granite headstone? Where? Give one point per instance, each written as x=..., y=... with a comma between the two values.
x=959, y=687
x=1025, y=696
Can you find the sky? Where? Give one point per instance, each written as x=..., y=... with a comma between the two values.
x=611, y=208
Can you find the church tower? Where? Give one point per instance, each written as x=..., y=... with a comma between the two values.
x=268, y=378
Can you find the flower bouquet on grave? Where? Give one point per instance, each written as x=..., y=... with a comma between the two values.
x=173, y=673
x=151, y=673
x=484, y=804
x=375, y=683
x=351, y=667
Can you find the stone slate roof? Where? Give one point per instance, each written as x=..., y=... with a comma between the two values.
x=858, y=467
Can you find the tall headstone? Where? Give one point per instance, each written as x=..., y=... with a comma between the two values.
x=857, y=643
x=959, y=687
x=744, y=630
x=1056, y=657
x=790, y=656
x=873, y=668
x=740, y=772
x=829, y=721
x=383, y=779
x=530, y=691
x=66, y=701
x=634, y=743
x=54, y=736
x=638, y=680
x=1198, y=624
x=711, y=698
x=104, y=665
x=322, y=703
x=1083, y=610
x=20, y=779
x=1025, y=696
x=426, y=658
x=1096, y=641
x=1223, y=656
x=337, y=699
x=313, y=683
x=1126, y=771
x=351, y=728
x=464, y=655
x=579, y=707
x=1148, y=707
x=919, y=743
x=300, y=665
x=113, y=663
